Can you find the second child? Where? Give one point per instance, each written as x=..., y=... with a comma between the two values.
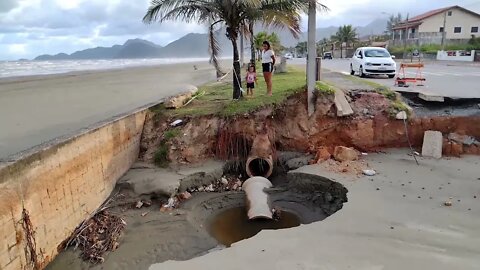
x=251, y=79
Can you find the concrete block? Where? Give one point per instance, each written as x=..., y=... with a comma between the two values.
x=431, y=97
x=343, y=107
x=432, y=144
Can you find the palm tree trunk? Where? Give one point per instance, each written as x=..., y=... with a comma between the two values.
x=237, y=77
x=341, y=50
x=252, y=44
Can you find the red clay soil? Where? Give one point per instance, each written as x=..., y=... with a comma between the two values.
x=370, y=128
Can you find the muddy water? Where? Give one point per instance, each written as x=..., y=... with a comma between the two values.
x=232, y=225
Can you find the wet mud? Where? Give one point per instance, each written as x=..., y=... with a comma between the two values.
x=200, y=224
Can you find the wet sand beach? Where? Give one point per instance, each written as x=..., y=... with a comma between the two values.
x=36, y=109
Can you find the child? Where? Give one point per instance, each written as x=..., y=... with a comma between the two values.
x=251, y=79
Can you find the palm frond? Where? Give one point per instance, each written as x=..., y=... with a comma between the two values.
x=214, y=49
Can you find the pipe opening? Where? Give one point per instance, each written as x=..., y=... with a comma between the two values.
x=259, y=167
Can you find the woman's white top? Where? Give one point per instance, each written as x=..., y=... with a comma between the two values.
x=267, y=56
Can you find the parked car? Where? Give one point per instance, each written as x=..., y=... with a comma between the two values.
x=288, y=56
x=327, y=55
x=373, y=61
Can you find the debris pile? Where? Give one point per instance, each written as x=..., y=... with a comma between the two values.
x=97, y=235
x=226, y=183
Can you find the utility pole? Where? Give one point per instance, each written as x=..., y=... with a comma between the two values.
x=444, y=32
x=312, y=55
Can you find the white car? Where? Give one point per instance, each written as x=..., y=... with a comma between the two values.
x=288, y=56
x=373, y=61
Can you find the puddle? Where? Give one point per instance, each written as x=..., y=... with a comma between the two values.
x=232, y=225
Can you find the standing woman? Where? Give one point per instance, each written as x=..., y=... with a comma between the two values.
x=268, y=61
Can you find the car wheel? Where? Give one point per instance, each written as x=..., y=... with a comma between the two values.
x=352, y=72
x=360, y=72
x=391, y=76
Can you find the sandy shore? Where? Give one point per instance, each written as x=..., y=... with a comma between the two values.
x=40, y=108
x=394, y=220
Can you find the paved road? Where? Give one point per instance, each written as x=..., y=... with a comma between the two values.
x=456, y=80
x=37, y=109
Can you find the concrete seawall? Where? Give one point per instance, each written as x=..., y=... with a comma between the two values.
x=46, y=192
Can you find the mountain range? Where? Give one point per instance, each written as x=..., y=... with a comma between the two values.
x=196, y=45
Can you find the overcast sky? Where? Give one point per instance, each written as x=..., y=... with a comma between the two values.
x=32, y=27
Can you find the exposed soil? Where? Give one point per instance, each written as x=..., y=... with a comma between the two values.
x=153, y=236
x=371, y=128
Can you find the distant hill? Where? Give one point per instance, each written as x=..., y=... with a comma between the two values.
x=196, y=45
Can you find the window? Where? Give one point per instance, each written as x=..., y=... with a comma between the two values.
x=441, y=30
x=474, y=29
x=457, y=29
x=449, y=13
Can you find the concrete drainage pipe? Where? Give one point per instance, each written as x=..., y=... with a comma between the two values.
x=260, y=160
x=258, y=206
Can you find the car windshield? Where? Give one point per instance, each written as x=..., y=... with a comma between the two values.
x=376, y=53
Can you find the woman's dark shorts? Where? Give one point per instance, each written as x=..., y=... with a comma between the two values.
x=267, y=67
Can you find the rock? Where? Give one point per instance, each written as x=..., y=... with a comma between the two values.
x=139, y=205
x=369, y=172
x=209, y=188
x=185, y=195
x=432, y=144
x=296, y=163
x=343, y=153
x=401, y=116
x=449, y=202
x=456, y=149
x=323, y=154
x=224, y=181
x=365, y=111
x=463, y=139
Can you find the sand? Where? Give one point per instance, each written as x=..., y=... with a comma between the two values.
x=36, y=109
x=193, y=229
x=394, y=220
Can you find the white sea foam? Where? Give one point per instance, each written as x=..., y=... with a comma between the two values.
x=29, y=68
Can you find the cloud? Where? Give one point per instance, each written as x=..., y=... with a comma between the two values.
x=7, y=5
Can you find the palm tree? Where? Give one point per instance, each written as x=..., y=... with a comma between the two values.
x=278, y=14
x=272, y=38
x=345, y=34
x=234, y=15
x=301, y=48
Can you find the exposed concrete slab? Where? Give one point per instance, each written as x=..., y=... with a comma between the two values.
x=145, y=179
x=432, y=144
x=431, y=97
x=343, y=107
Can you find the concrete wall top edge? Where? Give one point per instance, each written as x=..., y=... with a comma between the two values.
x=29, y=155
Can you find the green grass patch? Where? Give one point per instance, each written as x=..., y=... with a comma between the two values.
x=398, y=106
x=217, y=97
x=171, y=133
x=160, y=158
x=324, y=88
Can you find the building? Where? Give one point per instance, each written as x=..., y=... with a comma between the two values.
x=452, y=24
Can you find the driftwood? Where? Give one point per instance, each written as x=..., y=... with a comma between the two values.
x=97, y=235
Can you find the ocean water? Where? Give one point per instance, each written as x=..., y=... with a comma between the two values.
x=29, y=68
